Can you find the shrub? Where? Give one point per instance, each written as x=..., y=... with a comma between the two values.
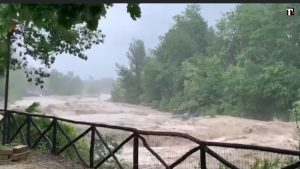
x=82, y=144
x=72, y=132
x=33, y=108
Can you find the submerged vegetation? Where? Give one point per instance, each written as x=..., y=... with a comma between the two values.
x=248, y=65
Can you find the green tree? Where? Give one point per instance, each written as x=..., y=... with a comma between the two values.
x=262, y=81
x=202, y=87
x=189, y=37
x=130, y=78
x=117, y=93
x=247, y=66
x=152, y=81
x=42, y=31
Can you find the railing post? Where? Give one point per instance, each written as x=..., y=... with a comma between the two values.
x=54, y=134
x=203, y=156
x=28, y=134
x=4, y=128
x=92, y=146
x=8, y=129
x=5, y=125
x=136, y=151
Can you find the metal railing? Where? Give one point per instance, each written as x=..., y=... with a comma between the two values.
x=203, y=154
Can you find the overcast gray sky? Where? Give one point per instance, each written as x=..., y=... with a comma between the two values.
x=120, y=30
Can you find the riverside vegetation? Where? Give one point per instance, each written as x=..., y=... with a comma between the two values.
x=72, y=132
x=247, y=65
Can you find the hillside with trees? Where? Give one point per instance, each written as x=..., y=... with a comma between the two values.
x=248, y=65
x=58, y=83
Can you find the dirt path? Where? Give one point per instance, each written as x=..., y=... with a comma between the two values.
x=37, y=160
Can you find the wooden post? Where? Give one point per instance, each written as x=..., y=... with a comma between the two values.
x=92, y=146
x=135, y=152
x=28, y=134
x=203, y=156
x=54, y=134
x=5, y=125
x=8, y=128
x=4, y=129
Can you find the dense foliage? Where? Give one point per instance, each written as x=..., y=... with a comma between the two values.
x=130, y=78
x=42, y=31
x=248, y=65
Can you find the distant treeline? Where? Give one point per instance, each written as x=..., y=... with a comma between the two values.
x=57, y=84
x=248, y=65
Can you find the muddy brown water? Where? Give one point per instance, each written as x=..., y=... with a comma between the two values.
x=219, y=128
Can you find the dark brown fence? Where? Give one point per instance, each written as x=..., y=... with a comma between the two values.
x=132, y=148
